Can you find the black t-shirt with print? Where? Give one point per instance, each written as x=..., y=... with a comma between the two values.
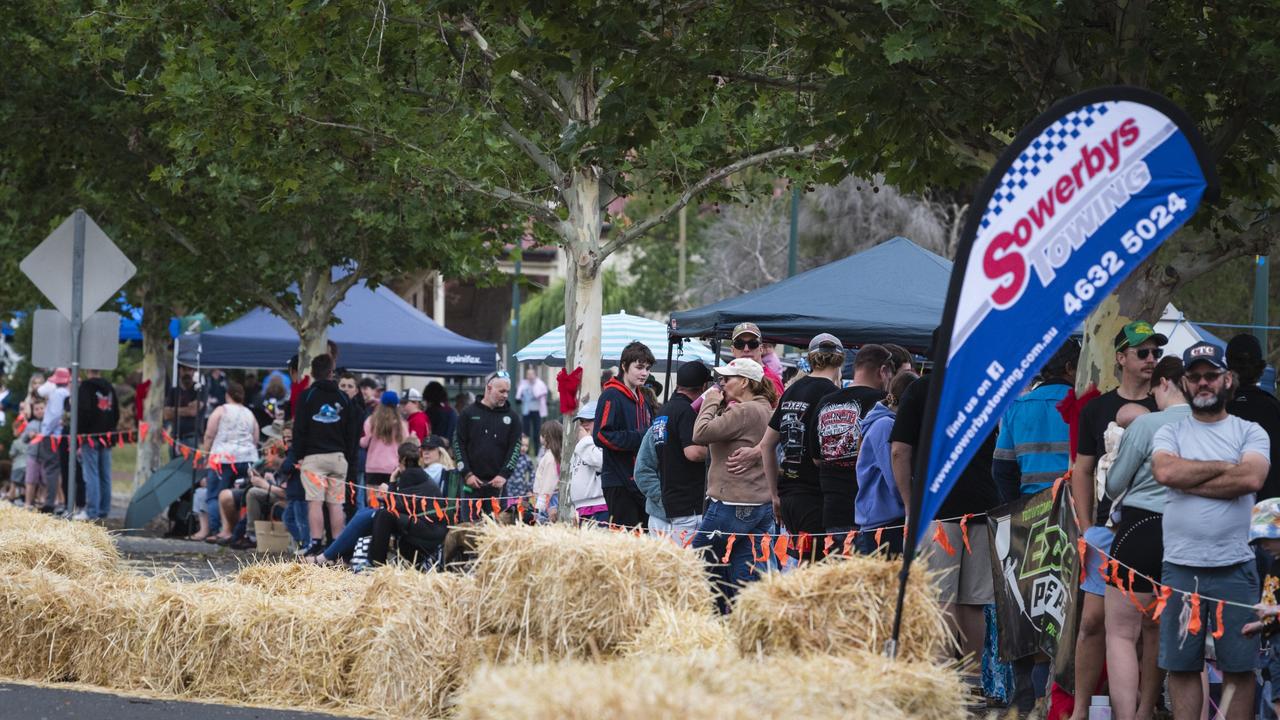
x=684, y=482
x=1094, y=419
x=975, y=490
x=833, y=437
x=797, y=473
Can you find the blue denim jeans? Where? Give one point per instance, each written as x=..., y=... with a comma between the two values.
x=295, y=521
x=96, y=464
x=739, y=520
x=360, y=524
x=217, y=481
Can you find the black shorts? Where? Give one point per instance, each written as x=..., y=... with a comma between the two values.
x=802, y=513
x=1139, y=544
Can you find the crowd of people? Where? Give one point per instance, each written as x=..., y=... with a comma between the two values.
x=1173, y=474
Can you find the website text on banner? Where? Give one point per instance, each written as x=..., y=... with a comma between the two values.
x=1084, y=195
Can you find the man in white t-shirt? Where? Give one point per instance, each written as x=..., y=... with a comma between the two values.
x=1212, y=463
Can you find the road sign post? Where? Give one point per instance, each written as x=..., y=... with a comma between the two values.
x=67, y=248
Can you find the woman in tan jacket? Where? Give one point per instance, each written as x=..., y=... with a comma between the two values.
x=737, y=505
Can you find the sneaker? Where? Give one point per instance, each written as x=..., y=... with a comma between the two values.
x=314, y=548
x=81, y=516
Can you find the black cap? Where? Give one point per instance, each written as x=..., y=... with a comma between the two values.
x=434, y=442
x=693, y=375
x=1244, y=349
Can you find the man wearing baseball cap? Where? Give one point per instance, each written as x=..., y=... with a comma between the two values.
x=682, y=462
x=747, y=342
x=1138, y=349
x=797, y=501
x=1212, y=463
x=1252, y=403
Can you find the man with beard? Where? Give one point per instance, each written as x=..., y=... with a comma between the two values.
x=1212, y=463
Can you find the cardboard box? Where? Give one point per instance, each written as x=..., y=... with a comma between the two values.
x=272, y=537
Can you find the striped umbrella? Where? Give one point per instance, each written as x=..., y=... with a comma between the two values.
x=616, y=332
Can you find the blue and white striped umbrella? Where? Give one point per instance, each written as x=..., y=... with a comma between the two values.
x=616, y=332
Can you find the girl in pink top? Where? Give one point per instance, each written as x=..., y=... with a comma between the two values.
x=384, y=430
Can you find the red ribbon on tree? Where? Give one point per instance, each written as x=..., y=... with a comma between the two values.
x=568, y=383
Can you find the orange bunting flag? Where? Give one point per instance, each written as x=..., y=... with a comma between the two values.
x=186, y=452
x=755, y=551
x=689, y=540
x=1057, y=486
x=826, y=545
x=684, y=534
x=373, y=498
x=804, y=543
x=1133, y=595
x=520, y=507
x=1162, y=599
x=1083, y=548
x=142, y=431
x=1115, y=573
x=439, y=510
x=940, y=537
x=964, y=532
x=119, y=439
x=879, y=534
x=728, y=548
x=848, y=543
x=1103, y=568
x=87, y=440
x=497, y=506
x=765, y=551
x=1218, y=627
x=1193, y=623
x=780, y=549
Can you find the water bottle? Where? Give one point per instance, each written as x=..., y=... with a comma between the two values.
x=1100, y=708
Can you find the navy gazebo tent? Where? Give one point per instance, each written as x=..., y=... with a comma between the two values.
x=376, y=332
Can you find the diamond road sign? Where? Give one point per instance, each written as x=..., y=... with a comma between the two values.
x=49, y=267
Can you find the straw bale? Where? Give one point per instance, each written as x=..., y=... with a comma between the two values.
x=682, y=632
x=31, y=540
x=12, y=518
x=303, y=580
x=717, y=685
x=561, y=590
x=39, y=624
x=124, y=640
x=413, y=642
x=838, y=606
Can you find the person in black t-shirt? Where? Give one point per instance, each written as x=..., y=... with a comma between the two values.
x=1137, y=347
x=187, y=401
x=682, y=463
x=1252, y=403
x=964, y=579
x=797, y=491
x=835, y=434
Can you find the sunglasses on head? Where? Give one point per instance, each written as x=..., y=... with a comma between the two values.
x=1144, y=353
x=1211, y=376
x=744, y=344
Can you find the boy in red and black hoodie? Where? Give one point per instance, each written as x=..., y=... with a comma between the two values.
x=622, y=418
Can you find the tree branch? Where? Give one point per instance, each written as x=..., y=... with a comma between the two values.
x=288, y=314
x=639, y=229
x=541, y=211
x=778, y=82
x=535, y=153
x=532, y=89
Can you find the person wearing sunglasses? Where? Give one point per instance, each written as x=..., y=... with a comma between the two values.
x=1138, y=349
x=487, y=441
x=1212, y=464
x=748, y=343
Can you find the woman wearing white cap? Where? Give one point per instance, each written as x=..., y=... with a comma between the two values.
x=739, y=504
x=585, y=494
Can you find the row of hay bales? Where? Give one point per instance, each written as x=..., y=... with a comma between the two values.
x=555, y=622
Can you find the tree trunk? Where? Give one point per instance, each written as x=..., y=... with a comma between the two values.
x=156, y=358
x=315, y=291
x=1142, y=296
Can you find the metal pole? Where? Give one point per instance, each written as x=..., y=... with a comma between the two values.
x=683, y=248
x=1261, y=297
x=793, y=248
x=515, y=318
x=77, y=319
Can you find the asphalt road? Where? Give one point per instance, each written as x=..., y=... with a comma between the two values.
x=30, y=702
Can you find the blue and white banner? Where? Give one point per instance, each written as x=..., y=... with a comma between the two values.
x=1082, y=196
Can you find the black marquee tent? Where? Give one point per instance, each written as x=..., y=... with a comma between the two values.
x=893, y=292
x=377, y=332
